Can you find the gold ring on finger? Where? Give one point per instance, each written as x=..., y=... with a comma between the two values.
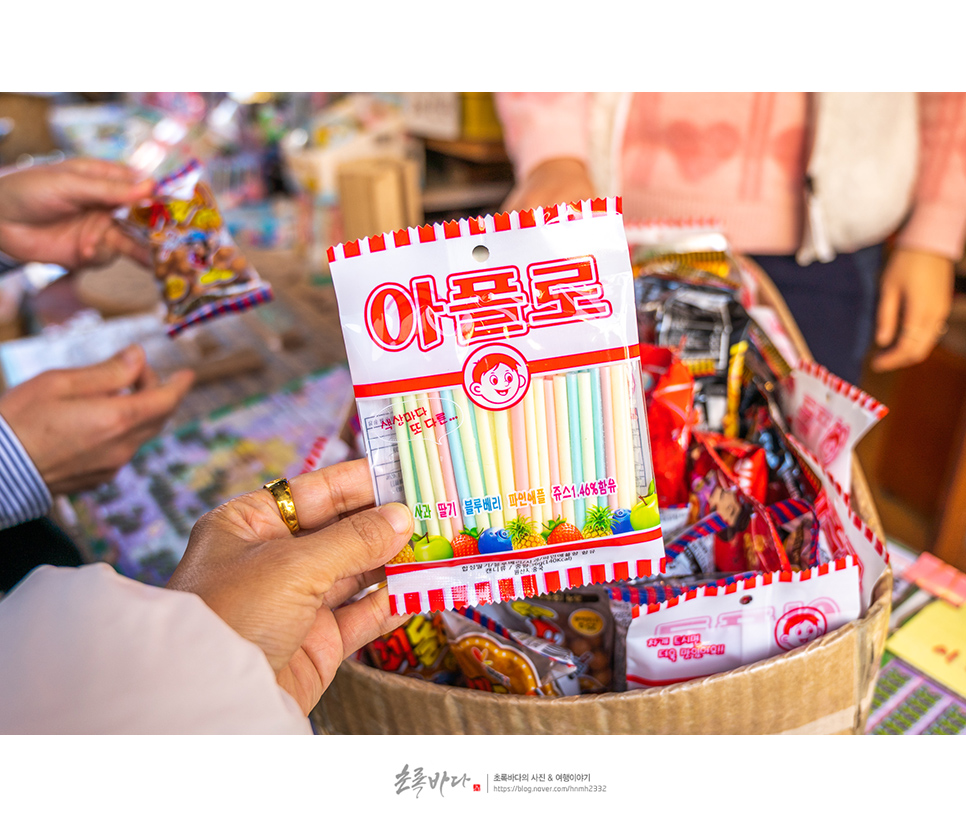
x=282, y=493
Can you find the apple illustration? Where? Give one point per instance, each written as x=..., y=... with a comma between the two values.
x=431, y=549
x=645, y=514
x=495, y=540
x=621, y=522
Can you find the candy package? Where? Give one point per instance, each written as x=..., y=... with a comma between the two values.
x=579, y=619
x=494, y=658
x=829, y=416
x=496, y=372
x=199, y=269
x=715, y=628
x=419, y=649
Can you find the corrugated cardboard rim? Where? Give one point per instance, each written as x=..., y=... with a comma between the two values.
x=412, y=706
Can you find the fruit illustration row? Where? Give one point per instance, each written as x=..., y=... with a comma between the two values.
x=520, y=533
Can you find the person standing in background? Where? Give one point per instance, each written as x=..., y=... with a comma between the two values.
x=810, y=185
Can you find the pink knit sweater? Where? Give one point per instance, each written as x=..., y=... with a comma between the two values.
x=738, y=158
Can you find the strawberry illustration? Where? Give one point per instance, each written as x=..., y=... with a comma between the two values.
x=522, y=533
x=599, y=520
x=466, y=542
x=559, y=531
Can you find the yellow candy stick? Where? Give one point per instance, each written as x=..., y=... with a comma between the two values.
x=404, y=448
x=491, y=472
x=423, y=477
x=533, y=453
x=428, y=437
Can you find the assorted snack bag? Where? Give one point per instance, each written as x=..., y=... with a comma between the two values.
x=199, y=269
x=744, y=452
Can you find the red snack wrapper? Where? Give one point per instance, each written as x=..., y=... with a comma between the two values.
x=418, y=649
x=669, y=397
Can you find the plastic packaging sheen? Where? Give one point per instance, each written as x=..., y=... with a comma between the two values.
x=495, y=363
x=199, y=268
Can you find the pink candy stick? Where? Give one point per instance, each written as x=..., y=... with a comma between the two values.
x=445, y=459
x=607, y=412
x=521, y=474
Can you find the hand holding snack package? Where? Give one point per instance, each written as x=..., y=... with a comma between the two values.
x=200, y=270
x=495, y=366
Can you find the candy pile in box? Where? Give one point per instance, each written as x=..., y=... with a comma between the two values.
x=752, y=465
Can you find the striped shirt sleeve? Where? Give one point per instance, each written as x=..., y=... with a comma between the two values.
x=23, y=494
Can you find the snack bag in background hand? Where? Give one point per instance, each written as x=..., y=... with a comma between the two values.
x=200, y=270
x=495, y=362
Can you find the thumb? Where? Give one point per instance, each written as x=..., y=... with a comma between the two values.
x=104, y=192
x=107, y=377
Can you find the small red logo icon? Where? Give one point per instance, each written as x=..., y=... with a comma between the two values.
x=476, y=787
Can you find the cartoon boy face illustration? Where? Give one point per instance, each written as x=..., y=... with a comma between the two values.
x=496, y=377
x=800, y=626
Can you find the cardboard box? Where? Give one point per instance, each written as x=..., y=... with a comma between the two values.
x=824, y=687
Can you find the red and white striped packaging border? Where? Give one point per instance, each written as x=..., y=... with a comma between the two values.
x=758, y=581
x=846, y=389
x=468, y=227
x=485, y=579
x=873, y=555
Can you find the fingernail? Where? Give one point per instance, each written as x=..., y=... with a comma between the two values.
x=131, y=355
x=398, y=516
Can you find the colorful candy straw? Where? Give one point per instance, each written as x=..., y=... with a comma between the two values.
x=471, y=453
x=585, y=401
x=405, y=457
x=562, y=412
x=487, y=450
x=533, y=455
x=428, y=438
x=521, y=457
x=553, y=466
x=610, y=432
x=576, y=451
x=456, y=455
x=542, y=423
x=445, y=459
x=598, y=430
x=626, y=482
x=504, y=454
x=424, y=479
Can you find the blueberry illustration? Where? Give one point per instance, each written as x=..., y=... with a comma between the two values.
x=495, y=540
x=621, y=522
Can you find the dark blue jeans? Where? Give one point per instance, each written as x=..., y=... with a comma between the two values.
x=833, y=305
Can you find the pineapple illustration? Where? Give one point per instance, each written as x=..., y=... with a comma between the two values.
x=405, y=555
x=522, y=533
x=598, y=522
